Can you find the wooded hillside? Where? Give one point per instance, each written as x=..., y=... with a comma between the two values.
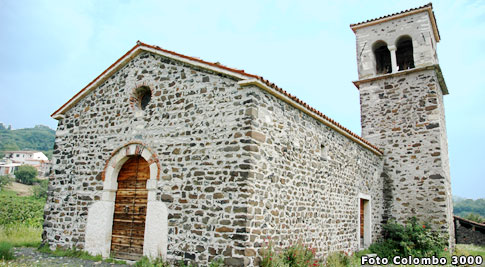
x=461, y=207
x=39, y=138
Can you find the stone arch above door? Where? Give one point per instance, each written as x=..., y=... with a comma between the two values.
x=100, y=214
x=120, y=156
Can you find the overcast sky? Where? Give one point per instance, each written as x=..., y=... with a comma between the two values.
x=52, y=49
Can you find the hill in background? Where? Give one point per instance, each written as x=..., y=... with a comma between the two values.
x=39, y=138
x=42, y=138
x=462, y=206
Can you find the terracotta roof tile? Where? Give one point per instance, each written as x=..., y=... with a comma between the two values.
x=469, y=221
x=390, y=15
x=217, y=64
x=272, y=85
x=241, y=72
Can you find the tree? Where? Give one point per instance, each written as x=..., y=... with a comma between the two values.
x=4, y=181
x=462, y=208
x=40, y=190
x=475, y=217
x=26, y=174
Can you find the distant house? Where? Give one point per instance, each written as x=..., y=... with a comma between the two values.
x=35, y=159
x=8, y=167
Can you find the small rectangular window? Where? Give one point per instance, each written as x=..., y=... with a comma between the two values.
x=323, y=152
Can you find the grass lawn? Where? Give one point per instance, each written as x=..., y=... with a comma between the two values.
x=20, y=222
x=471, y=250
x=21, y=219
x=21, y=235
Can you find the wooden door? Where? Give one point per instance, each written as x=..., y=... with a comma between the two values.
x=130, y=209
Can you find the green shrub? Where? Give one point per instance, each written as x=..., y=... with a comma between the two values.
x=40, y=189
x=181, y=263
x=146, y=262
x=414, y=239
x=475, y=217
x=25, y=174
x=20, y=210
x=293, y=256
x=4, y=181
x=298, y=255
x=339, y=259
x=6, y=251
x=218, y=262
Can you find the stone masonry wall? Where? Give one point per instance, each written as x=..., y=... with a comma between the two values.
x=299, y=193
x=417, y=26
x=237, y=165
x=195, y=124
x=404, y=116
x=469, y=233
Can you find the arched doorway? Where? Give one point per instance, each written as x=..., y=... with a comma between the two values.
x=129, y=221
x=130, y=209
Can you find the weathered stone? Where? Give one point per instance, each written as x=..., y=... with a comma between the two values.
x=224, y=229
x=256, y=135
x=167, y=198
x=234, y=261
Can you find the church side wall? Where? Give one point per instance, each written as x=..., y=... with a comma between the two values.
x=298, y=192
x=195, y=125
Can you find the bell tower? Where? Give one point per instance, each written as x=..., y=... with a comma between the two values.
x=402, y=112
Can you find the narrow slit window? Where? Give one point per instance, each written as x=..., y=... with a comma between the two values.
x=323, y=152
x=143, y=95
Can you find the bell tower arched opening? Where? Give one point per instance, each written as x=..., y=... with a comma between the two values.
x=404, y=53
x=382, y=56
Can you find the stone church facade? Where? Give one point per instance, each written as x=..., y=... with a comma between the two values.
x=166, y=155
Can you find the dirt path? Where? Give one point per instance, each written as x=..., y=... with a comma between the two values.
x=32, y=257
x=21, y=189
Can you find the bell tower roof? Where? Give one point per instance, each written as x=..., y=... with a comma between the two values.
x=428, y=8
x=396, y=43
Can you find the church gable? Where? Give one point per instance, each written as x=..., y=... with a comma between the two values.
x=167, y=57
x=151, y=92
x=194, y=64
x=194, y=124
x=148, y=71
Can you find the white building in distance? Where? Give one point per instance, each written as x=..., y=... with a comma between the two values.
x=13, y=159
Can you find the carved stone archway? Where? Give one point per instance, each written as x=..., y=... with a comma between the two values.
x=100, y=215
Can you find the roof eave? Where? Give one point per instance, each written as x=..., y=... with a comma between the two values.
x=314, y=114
x=244, y=79
x=427, y=8
x=58, y=114
x=137, y=49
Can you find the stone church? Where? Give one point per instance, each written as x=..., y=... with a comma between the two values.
x=167, y=155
